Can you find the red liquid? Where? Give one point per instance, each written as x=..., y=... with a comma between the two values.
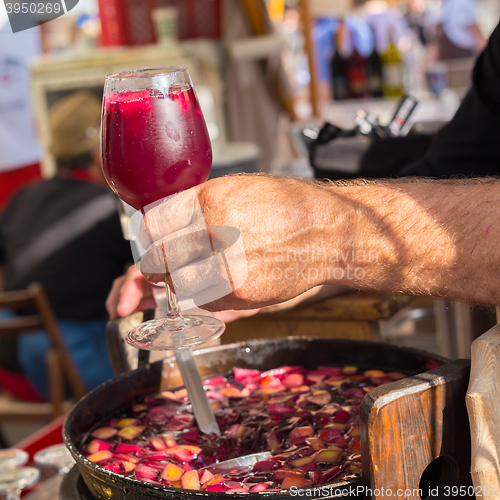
x=307, y=418
x=154, y=146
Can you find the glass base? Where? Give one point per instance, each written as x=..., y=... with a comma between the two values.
x=169, y=334
x=15, y=480
x=10, y=458
x=57, y=456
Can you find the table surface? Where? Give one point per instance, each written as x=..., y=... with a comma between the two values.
x=429, y=109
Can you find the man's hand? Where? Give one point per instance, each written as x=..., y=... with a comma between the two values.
x=273, y=217
x=413, y=237
x=131, y=292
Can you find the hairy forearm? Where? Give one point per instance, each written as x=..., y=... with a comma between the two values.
x=437, y=238
x=424, y=237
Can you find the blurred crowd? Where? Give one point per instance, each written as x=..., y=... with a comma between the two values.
x=423, y=31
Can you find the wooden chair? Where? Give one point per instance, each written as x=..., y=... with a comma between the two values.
x=58, y=360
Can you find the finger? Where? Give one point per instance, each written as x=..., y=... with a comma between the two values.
x=172, y=214
x=134, y=293
x=147, y=302
x=114, y=297
x=212, y=294
x=176, y=250
x=132, y=299
x=228, y=241
x=201, y=275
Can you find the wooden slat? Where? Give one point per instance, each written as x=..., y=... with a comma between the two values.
x=307, y=27
x=483, y=396
x=249, y=328
x=16, y=299
x=55, y=382
x=354, y=315
x=69, y=367
x=120, y=355
x=11, y=408
x=254, y=16
x=20, y=324
x=350, y=307
x=406, y=425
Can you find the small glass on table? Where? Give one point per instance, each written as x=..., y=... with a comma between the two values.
x=56, y=456
x=13, y=476
x=10, y=458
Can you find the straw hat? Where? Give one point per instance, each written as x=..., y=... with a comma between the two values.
x=75, y=122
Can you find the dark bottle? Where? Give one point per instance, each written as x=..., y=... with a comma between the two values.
x=356, y=73
x=338, y=67
x=374, y=74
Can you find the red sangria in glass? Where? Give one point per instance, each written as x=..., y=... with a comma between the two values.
x=154, y=144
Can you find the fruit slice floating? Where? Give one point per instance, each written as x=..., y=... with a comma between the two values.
x=308, y=419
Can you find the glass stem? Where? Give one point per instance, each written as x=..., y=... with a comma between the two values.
x=173, y=311
x=167, y=302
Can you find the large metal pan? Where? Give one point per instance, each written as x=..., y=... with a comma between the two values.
x=260, y=354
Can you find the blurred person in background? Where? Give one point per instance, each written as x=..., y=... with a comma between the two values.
x=387, y=23
x=324, y=38
x=415, y=17
x=64, y=233
x=453, y=32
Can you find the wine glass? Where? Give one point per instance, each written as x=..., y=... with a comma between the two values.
x=13, y=481
x=57, y=456
x=154, y=144
x=10, y=458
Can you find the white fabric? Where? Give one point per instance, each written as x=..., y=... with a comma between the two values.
x=18, y=144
